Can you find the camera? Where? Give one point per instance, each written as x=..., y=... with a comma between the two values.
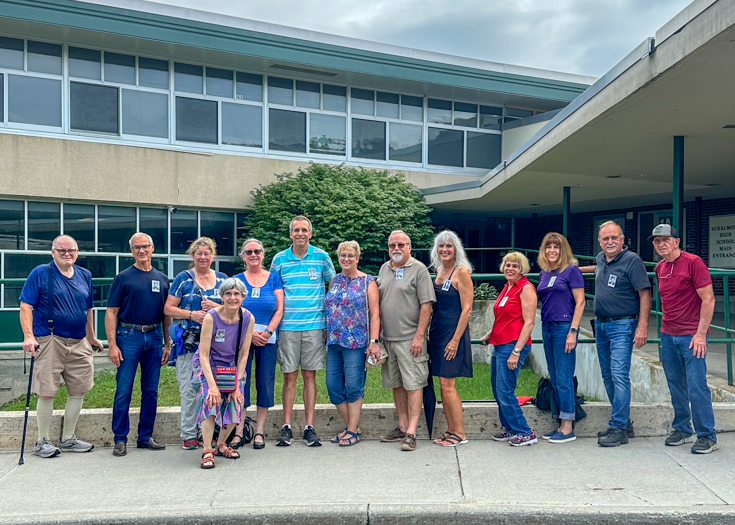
x=190, y=337
x=172, y=209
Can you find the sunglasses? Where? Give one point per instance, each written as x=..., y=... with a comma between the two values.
x=399, y=245
x=251, y=252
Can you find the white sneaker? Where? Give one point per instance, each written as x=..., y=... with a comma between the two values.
x=45, y=449
x=75, y=445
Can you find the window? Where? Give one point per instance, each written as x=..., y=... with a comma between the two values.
x=362, y=102
x=465, y=115
x=405, y=142
x=387, y=105
x=446, y=147
x=93, y=108
x=512, y=114
x=99, y=267
x=11, y=53
x=18, y=266
x=152, y=73
x=188, y=78
x=119, y=68
x=12, y=225
x=79, y=223
x=412, y=108
x=242, y=125
x=44, y=58
x=307, y=94
x=368, y=139
x=328, y=134
x=220, y=227
x=85, y=63
x=287, y=130
x=2, y=98
x=183, y=230
x=334, y=98
x=483, y=150
x=491, y=117
x=219, y=83
x=440, y=111
x=144, y=113
x=154, y=222
x=229, y=267
x=115, y=224
x=241, y=227
x=196, y=120
x=43, y=224
x=280, y=91
x=159, y=263
x=249, y=87
x=34, y=100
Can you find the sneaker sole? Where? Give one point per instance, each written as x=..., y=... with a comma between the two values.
x=406, y=448
x=386, y=440
x=56, y=453
x=679, y=443
x=284, y=443
x=547, y=438
x=611, y=445
x=525, y=443
x=707, y=451
x=76, y=449
x=565, y=440
x=503, y=439
x=313, y=443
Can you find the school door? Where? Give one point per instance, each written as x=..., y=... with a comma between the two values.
x=647, y=221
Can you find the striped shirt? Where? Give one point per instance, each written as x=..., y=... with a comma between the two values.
x=402, y=292
x=303, y=286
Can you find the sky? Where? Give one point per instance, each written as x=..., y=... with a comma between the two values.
x=586, y=37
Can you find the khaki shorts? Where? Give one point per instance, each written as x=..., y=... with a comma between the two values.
x=403, y=368
x=60, y=357
x=304, y=348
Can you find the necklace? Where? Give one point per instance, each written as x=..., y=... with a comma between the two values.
x=253, y=276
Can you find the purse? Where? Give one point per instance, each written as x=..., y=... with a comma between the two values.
x=226, y=376
x=383, y=352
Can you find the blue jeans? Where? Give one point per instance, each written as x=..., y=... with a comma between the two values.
x=614, y=350
x=265, y=374
x=145, y=349
x=687, y=378
x=561, y=366
x=345, y=374
x=503, y=381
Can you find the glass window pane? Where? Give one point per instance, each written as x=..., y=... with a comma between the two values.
x=491, y=117
x=154, y=222
x=249, y=87
x=242, y=125
x=328, y=134
x=152, y=73
x=34, y=100
x=483, y=150
x=119, y=68
x=99, y=267
x=287, y=130
x=145, y=113
x=368, y=139
x=94, y=108
x=196, y=120
x=183, y=230
x=518, y=113
x=243, y=232
x=11, y=53
x=79, y=223
x=12, y=228
x=44, y=224
x=405, y=142
x=230, y=267
x=85, y=63
x=159, y=263
x=18, y=266
x=2, y=98
x=307, y=94
x=440, y=111
x=116, y=224
x=188, y=78
x=412, y=108
x=280, y=91
x=219, y=82
x=446, y=147
x=220, y=227
x=465, y=115
x=387, y=105
x=362, y=101
x=44, y=58
x=334, y=98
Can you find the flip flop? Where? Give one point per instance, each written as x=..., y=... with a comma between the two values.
x=444, y=437
x=453, y=440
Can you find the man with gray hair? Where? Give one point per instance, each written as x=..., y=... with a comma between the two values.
x=136, y=336
x=406, y=299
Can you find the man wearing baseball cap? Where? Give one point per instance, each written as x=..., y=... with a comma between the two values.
x=688, y=302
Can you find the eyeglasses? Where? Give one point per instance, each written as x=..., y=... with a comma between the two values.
x=399, y=245
x=64, y=252
x=251, y=252
x=144, y=247
x=347, y=255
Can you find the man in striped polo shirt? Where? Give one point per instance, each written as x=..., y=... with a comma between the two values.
x=303, y=269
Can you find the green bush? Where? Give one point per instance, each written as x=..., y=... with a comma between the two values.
x=485, y=292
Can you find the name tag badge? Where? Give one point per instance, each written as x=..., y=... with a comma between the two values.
x=503, y=301
x=312, y=274
x=446, y=285
x=156, y=286
x=399, y=274
x=256, y=293
x=612, y=280
x=551, y=281
x=219, y=336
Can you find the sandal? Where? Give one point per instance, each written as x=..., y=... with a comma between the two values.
x=258, y=444
x=228, y=452
x=444, y=437
x=207, y=459
x=453, y=440
x=337, y=438
x=351, y=438
x=237, y=441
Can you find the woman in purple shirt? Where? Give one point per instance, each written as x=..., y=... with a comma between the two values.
x=561, y=290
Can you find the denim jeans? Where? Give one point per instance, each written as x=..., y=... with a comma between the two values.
x=503, y=381
x=687, y=378
x=146, y=349
x=188, y=396
x=561, y=366
x=614, y=350
x=265, y=374
x=345, y=374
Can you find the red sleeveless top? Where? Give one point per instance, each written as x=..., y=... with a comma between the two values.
x=509, y=314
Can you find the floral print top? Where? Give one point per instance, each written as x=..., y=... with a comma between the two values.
x=346, y=307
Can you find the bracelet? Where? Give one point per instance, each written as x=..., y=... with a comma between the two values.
x=189, y=315
x=268, y=331
x=516, y=351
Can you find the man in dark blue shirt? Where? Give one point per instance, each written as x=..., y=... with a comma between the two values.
x=135, y=336
x=64, y=340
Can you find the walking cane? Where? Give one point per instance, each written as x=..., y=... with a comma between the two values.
x=28, y=405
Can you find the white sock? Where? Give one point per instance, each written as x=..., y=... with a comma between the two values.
x=287, y=425
x=307, y=427
x=71, y=416
x=44, y=413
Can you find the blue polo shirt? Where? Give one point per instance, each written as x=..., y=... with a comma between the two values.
x=303, y=287
x=139, y=295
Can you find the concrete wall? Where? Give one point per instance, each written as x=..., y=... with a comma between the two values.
x=516, y=137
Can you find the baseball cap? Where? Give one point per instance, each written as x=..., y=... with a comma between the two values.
x=664, y=230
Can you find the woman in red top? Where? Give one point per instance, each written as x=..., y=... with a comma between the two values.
x=515, y=315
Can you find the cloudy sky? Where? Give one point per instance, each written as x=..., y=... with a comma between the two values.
x=575, y=36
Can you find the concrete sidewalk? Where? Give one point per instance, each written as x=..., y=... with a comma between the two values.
x=373, y=482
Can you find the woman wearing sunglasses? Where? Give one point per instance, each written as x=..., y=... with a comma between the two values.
x=264, y=299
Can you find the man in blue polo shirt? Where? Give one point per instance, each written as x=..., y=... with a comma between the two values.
x=303, y=269
x=135, y=336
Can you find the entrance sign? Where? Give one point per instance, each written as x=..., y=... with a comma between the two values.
x=722, y=241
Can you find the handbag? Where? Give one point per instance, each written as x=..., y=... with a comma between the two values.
x=226, y=376
x=383, y=352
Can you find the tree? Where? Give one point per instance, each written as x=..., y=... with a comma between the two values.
x=343, y=203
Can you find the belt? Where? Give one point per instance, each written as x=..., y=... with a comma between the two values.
x=603, y=319
x=139, y=327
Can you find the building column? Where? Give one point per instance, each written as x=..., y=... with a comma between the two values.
x=565, y=211
x=697, y=226
x=678, y=191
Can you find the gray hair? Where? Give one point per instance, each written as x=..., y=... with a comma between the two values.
x=299, y=218
x=139, y=234
x=402, y=233
x=248, y=241
x=53, y=243
x=611, y=223
x=460, y=256
x=230, y=283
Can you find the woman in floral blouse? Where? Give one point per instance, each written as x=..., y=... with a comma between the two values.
x=352, y=296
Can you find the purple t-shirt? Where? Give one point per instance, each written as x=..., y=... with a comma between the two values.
x=555, y=291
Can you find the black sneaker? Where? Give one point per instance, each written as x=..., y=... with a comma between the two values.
x=704, y=446
x=630, y=432
x=614, y=438
x=677, y=438
x=310, y=438
x=285, y=438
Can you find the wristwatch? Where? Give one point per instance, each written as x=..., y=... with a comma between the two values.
x=268, y=331
x=574, y=330
x=516, y=351
x=376, y=341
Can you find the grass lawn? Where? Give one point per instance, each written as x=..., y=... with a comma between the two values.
x=103, y=393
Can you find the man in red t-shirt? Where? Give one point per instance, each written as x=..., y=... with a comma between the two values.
x=688, y=302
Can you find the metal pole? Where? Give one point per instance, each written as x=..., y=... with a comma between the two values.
x=728, y=346
x=698, y=226
x=657, y=297
x=678, y=191
x=512, y=232
x=565, y=212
